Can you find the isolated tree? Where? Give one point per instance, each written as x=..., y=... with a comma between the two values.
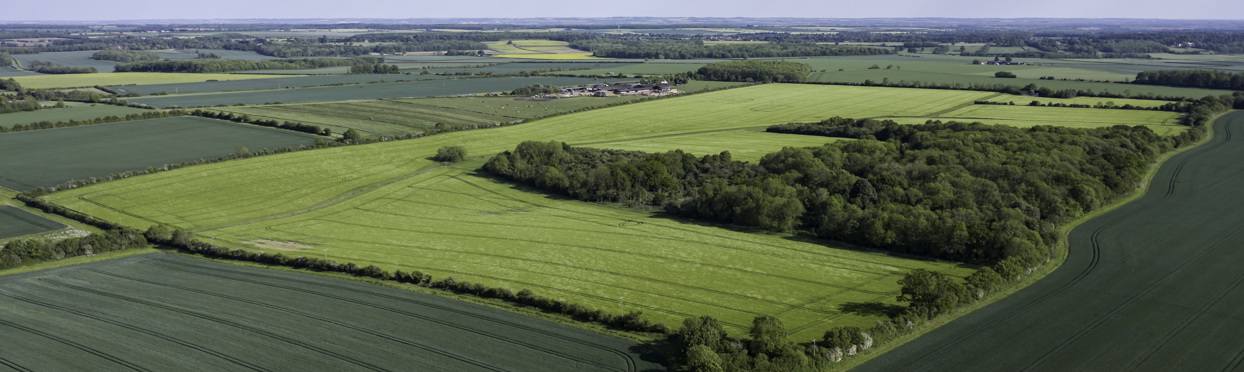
x=451, y=154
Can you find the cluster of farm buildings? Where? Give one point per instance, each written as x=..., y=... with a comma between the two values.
x=620, y=89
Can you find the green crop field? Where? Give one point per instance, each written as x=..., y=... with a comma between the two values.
x=960, y=70
x=15, y=222
x=77, y=59
x=1161, y=122
x=265, y=84
x=171, y=312
x=127, y=78
x=649, y=68
x=360, y=92
x=393, y=117
x=746, y=144
x=40, y=158
x=556, y=67
x=74, y=111
x=1024, y=100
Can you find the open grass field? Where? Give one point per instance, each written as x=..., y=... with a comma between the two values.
x=15, y=222
x=1024, y=100
x=1161, y=122
x=954, y=69
x=1152, y=285
x=747, y=144
x=127, y=78
x=172, y=312
x=649, y=68
x=76, y=59
x=40, y=158
x=393, y=117
x=271, y=83
x=557, y=67
x=388, y=204
x=360, y=92
x=552, y=56
x=74, y=111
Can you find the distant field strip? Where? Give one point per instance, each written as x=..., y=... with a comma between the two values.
x=126, y=78
x=15, y=222
x=1161, y=122
x=72, y=112
x=40, y=159
x=360, y=92
x=173, y=312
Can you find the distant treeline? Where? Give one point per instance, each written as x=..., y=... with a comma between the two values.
x=968, y=192
x=228, y=65
x=102, y=120
x=29, y=251
x=246, y=119
x=118, y=55
x=755, y=71
x=45, y=67
x=691, y=49
x=1193, y=78
x=376, y=68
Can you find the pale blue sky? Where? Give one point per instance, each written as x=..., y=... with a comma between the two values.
x=82, y=10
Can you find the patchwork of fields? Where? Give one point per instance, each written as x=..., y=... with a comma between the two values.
x=165, y=312
x=402, y=116
x=388, y=204
x=39, y=159
x=127, y=78
x=358, y=92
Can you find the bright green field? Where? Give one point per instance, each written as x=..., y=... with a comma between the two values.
x=388, y=204
x=393, y=117
x=126, y=78
x=74, y=111
x=1024, y=100
x=749, y=144
x=1162, y=122
x=959, y=70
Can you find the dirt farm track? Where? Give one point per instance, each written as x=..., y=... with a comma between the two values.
x=1154, y=285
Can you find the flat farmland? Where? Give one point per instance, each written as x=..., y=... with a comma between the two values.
x=1161, y=122
x=1151, y=286
x=77, y=59
x=73, y=111
x=271, y=83
x=15, y=222
x=388, y=204
x=127, y=78
x=39, y=159
x=649, y=68
x=172, y=312
x=223, y=53
x=403, y=116
x=557, y=67
x=746, y=144
x=959, y=70
x=360, y=92
x=1024, y=100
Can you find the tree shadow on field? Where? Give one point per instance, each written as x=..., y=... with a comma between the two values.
x=653, y=352
x=871, y=309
